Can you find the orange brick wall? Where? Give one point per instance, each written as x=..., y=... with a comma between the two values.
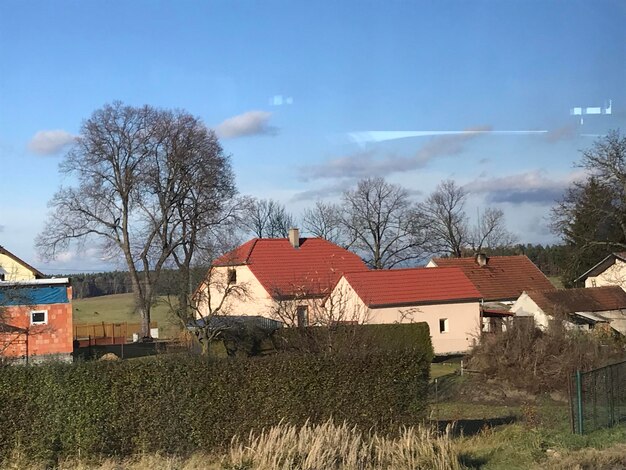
x=53, y=338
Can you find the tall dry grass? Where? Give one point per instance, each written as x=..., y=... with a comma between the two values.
x=327, y=446
x=331, y=446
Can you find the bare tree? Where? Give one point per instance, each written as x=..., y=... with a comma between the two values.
x=388, y=229
x=324, y=221
x=490, y=231
x=591, y=216
x=213, y=301
x=149, y=183
x=266, y=218
x=450, y=230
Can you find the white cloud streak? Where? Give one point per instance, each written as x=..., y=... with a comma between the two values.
x=246, y=124
x=365, y=163
x=382, y=136
x=50, y=142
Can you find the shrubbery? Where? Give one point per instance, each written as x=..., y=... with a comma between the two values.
x=353, y=339
x=543, y=361
x=181, y=403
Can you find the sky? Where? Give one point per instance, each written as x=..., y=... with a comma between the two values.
x=310, y=97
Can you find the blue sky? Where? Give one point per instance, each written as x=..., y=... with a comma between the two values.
x=285, y=83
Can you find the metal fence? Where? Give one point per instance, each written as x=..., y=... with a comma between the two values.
x=598, y=398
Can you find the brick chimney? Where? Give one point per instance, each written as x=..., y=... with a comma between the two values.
x=294, y=237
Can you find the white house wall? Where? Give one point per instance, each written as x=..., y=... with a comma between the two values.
x=463, y=323
x=254, y=299
x=524, y=306
x=614, y=275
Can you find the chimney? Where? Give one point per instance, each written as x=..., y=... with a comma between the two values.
x=294, y=237
x=481, y=259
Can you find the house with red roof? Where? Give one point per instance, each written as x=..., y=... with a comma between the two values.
x=444, y=298
x=286, y=279
x=498, y=278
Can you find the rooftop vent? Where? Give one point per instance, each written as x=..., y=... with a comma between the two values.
x=482, y=259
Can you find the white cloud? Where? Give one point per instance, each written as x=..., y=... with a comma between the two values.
x=50, y=142
x=249, y=123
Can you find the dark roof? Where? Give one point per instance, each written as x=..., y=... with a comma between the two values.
x=220, y=322
x=38, y=274
x=602, y=266
x=312, y=269
x=502, y=278
x=412, y=286
x=590, y=299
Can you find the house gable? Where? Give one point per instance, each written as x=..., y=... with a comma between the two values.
x=13, y=268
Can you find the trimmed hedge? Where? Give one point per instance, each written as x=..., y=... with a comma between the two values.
x=179, y=403
x=356, y=338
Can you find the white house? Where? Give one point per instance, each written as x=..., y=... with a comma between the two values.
x=444, y=298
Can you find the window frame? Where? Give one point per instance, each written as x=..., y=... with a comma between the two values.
x=443, y=322
x=45, y=317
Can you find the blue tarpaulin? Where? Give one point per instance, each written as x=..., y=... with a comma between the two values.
x=33, y=295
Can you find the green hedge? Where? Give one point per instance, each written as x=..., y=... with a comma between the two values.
x=356, y=338
x=180, y=403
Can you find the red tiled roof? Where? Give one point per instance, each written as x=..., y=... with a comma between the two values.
x=312, y=269
x=502, y=278
x=590, y=299
x=412, y=286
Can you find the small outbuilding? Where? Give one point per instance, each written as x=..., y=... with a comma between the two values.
x=584, y=308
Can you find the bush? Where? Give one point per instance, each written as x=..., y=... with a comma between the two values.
x=177, y=404
x=351, y=339
x=542, y=361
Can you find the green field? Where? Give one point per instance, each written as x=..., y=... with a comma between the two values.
x=120, y=308
x=556, y=281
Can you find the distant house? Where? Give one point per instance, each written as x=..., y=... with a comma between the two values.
x=611, y=271
x=13, y=268
x=35, y=313
x=444, y=298
x=585, y=308
x=284, y=279
x=498, y=278
x=36, y=319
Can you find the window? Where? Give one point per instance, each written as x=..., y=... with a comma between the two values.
x=593, y=283
x=232, y=276
x=443, y=325
x=38, y=317
x=303, y=315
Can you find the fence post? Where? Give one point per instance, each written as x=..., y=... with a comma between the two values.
x=579, y=401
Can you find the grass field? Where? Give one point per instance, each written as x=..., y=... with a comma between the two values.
x=119, y=308
x=556, y=281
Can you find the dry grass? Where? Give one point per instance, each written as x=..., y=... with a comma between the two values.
x=330, y=446
x=197, y=461
x=327, y=446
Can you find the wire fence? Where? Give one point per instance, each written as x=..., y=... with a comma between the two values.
x=598, y=398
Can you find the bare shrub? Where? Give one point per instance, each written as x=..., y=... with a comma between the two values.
x=542, y=360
